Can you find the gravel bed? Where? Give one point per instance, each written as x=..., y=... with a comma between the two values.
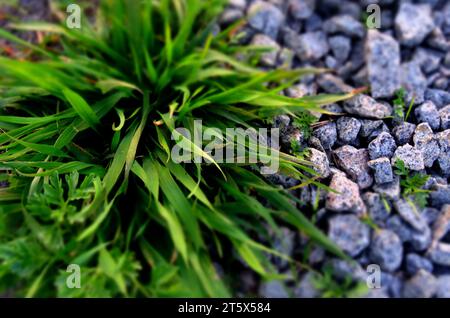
x=355, y=151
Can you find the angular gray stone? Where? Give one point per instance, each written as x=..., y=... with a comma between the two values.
x=403, y=133
x=386, y=250
x=346, y=198
x=383, y=64
x=333, y=84
x=444, y=114
x=365, y=106
x=327, y=134
x=343, y=269
x=443, y=286
x=428, y=113
x=301, y=9
x=420, y=241
x=371, y=129
x=414, y=82
x=376, y=208
x=439, y=97
x=266, y=18
x=349, y=233
x=425, y=141
x=389, y=190
x=382, y=170
x=444, y=157
x=320, y=163
x=382, y=146
x=403, y=231
x=415, y=262
x=429, y=60
x=341, y=47
x=273, y=289
x=439, y=253
x=230, y=16
x=344, y=24
x=421, y=285
x=430, y=214
x=411, y=156
x=413, y=23
x=310, y=46
x=348, y=129
x=442, y=225
x=306, y=288
x=440, y=195
x=411, y=215
x=354, y=162
x=267, y=58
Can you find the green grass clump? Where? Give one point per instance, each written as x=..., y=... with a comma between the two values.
x=85, y=147
x=412, y=184
x=400, y=106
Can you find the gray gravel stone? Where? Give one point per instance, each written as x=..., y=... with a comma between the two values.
x=403, y=133
x=343, y=269
x=333, y=84
x=390, y=190
x=320, y=162
x=428, y=113
x=327, y=134
x=266, y=18
x=403, y=231
x=414, y=82
x=440, y=196
x=344, y=24
x=301, y=9
x=376, y=208
x=354, y=162
x=444, y=157
x=365, y=106
x=349, y=233
x=411, y=215
x=383, y=64
x=301, y=90
x=413, y=23
x=386, y=250
x=439, y=97
x=430, y=214
x=230, y=16
x=370, y=129
x=348, y=129
x=267, y=58
x=429, y=60
x=347, y=197
x=421, y=285
x=382, y=146
x=382, y=170
x=306, y=288
x=341, y=47
x=415, y=262
x=411, y=156
x=425, y=141
x=309, y=46
x=392, y=283
x=442, y=225
x=443, y=286
x=444, y=114
x=420, y=241
x=439, y=253
x=273, y=289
